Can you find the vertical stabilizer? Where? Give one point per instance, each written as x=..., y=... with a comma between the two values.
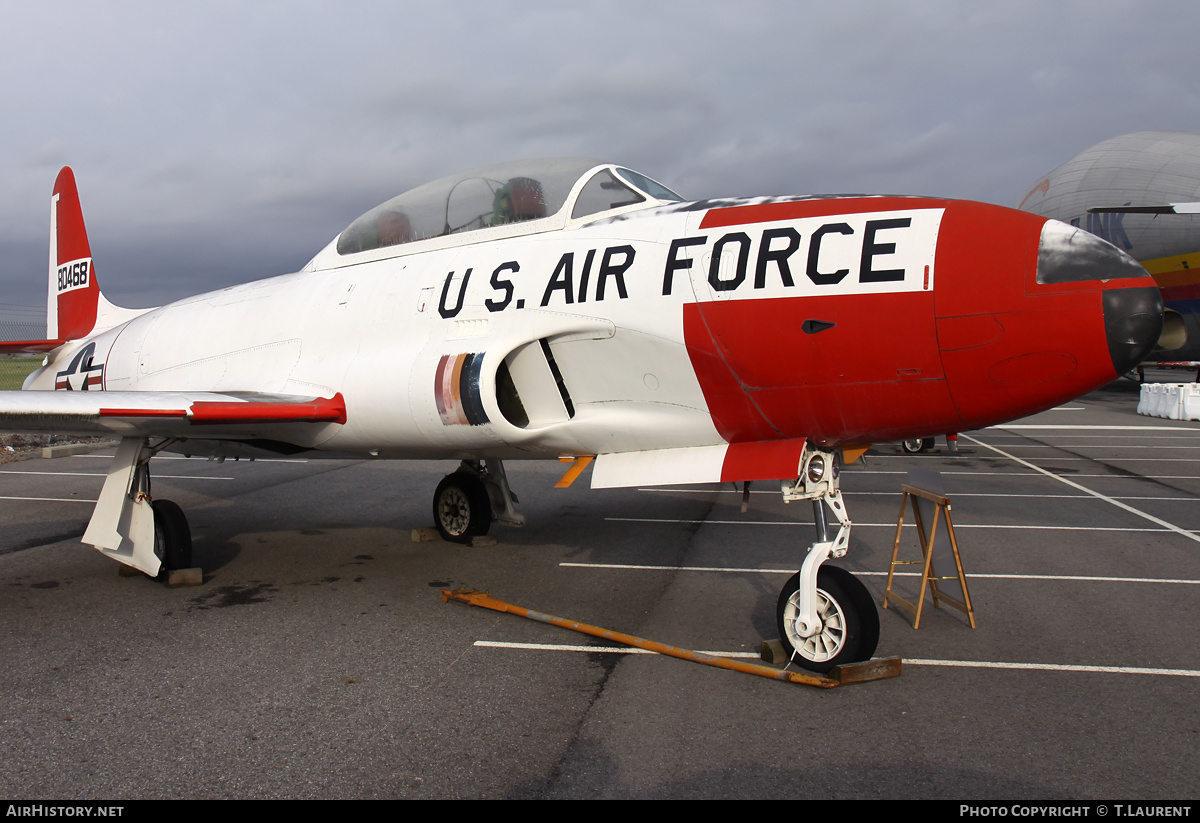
x=74, y=295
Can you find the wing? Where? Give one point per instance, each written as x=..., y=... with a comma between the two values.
x=163, y=414
x=1165, y=208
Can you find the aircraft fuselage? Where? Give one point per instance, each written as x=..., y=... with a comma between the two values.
x=842, y=320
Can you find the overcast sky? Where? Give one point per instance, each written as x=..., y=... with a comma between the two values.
x=218, y=142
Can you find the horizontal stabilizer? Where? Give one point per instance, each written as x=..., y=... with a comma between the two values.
x=29, y=346
x=725, y=463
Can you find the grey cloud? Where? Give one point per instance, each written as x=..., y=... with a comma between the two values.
x=215, y=142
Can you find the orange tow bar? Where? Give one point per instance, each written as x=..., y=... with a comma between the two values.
x=874, y=670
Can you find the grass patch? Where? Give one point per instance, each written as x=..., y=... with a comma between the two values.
x=14, y=370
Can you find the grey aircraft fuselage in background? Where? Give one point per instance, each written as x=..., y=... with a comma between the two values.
x=1140, y=192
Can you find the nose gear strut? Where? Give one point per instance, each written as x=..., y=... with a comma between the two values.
x=826, y=616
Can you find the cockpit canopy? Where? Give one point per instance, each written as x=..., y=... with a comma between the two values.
x=502, y=195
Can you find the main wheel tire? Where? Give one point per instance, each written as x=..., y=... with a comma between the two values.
x=172, y=537
x=849, y=621
x=461, y=507
x=918, y=445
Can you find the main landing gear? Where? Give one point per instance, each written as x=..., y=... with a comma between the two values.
x=128, y=526
x=172, y=537
x=467, y=501
x=918, y=445
x=826, y=617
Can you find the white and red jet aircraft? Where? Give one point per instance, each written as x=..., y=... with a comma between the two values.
x=576, y=308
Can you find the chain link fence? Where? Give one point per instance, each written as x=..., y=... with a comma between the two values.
x=22, y=322
x=19, y=323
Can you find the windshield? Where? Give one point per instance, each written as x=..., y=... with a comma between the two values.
x=652, y=187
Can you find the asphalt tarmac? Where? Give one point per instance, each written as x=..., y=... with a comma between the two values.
x=317, y=660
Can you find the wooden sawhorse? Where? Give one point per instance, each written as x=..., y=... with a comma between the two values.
x=927, y=536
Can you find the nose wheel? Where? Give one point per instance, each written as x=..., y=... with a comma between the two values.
x=847, y=627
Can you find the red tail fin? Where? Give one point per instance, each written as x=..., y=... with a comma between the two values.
x=72, y=302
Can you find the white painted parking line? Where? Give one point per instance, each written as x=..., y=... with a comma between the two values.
x=1035, y=496
x=1089, y=460
x=1113, y=458
x=1072, y=578
x=210, y=460
x=907, y=661
x=50, y=499
x=103, y=474
x=1096, y=494
x=1106, y=446
x=1053, y=667
x=1184, y=434
x=1040, y=473
x=1045, y=427
x=59, y=474
x=1166, y=527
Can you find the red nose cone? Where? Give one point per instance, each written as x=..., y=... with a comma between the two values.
x=1036, y=314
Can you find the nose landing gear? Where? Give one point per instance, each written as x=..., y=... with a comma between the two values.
x=826, y=617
